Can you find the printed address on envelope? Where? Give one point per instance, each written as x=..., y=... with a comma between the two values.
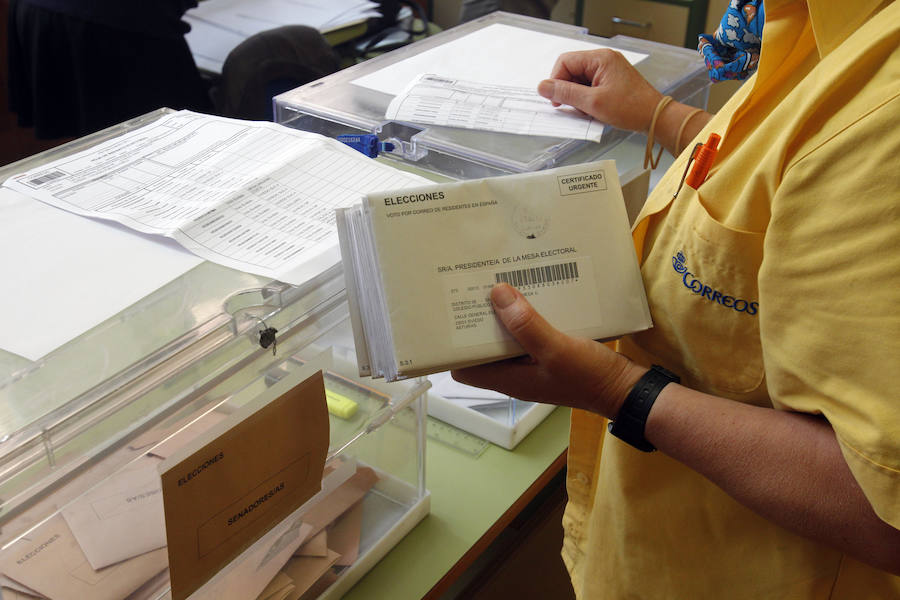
x=548, y=284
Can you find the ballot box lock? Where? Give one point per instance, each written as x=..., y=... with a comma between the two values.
x=267, y=336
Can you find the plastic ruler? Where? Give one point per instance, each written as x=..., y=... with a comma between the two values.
x=455, y=437
x=445, y=434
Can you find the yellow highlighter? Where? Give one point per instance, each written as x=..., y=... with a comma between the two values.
x=340, y=405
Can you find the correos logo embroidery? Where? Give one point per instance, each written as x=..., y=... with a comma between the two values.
x=712, y=294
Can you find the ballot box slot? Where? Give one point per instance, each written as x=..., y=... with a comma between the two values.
x=50, y=456
x=50, y=453
x=69, y=420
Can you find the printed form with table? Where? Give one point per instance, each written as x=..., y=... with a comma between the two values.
x=175, y=295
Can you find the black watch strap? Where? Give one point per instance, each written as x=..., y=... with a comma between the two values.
x=629, y=424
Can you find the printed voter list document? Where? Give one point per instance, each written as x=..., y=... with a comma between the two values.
x=250, y=195
x=437, y=100
x=420, y=264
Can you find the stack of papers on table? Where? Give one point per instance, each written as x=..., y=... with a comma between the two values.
x=217, y=26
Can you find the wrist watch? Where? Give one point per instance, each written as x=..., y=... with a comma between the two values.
x=629, y=424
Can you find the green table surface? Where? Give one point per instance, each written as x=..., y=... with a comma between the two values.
x=469, y=495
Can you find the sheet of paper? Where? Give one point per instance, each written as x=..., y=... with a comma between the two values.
x=50, y=561
x=14, y=589
x=248, y=17
x=153, y=588
x=64, y=274
x=277, y=589
x=210, y=44
x=502, y=54
x=448, y=388
x=122, y=517
x=431, y=99
x=317, y=589
x=238, y=480
x=250, y=195
x=282, y=593
x=13, y=593
x=249, y=574
x=337, y=502
x=305, y=571
x=316, y=546
x=344, y=535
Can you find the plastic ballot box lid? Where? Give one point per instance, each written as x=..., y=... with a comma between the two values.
x=355, y=100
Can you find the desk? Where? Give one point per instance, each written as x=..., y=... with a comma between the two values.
x=472, y=501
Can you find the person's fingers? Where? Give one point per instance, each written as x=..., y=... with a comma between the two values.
x=560, y=69
x=545, y=89
x=537, y=336
x=575, y=66
x=560, y=369
x=512, y=376
x=560, y=92
x=562, y=72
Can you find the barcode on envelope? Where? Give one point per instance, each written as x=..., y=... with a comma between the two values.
x=45, y=178
x=561, y=272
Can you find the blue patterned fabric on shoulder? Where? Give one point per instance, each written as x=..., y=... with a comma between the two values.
x=732, y=52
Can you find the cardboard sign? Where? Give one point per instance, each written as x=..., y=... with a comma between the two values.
x=241, y=478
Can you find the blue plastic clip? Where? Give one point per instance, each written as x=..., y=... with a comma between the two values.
x=367, y=143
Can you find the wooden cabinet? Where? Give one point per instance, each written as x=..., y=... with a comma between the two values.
x=657, y=21
x=676, y=22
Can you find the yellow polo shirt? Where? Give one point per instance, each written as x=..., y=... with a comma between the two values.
x=778, y=284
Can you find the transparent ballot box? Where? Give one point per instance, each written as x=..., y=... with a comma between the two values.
x=84, y=428
x=354, y=101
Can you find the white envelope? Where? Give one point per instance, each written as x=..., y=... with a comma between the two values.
x=122, y=517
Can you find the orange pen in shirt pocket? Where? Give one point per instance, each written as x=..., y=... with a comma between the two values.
x=703, y=160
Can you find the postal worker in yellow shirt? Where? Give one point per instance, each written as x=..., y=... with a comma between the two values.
x=777, y=470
